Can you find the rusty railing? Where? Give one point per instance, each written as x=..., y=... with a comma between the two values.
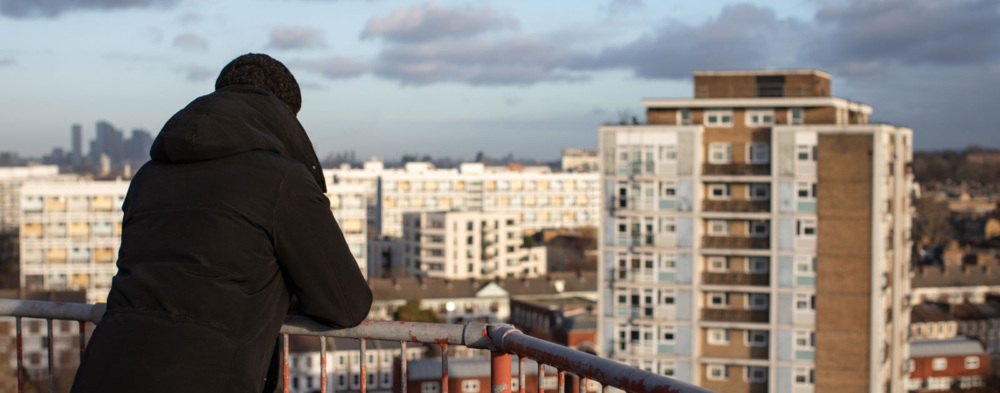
x=501, y=340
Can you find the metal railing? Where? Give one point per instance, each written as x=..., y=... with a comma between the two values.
x=501, y=340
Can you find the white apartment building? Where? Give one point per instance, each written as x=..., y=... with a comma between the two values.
x=11, y=179
x=70, y=235
x=347, y=202
x=71, y=232
x=541, y=198
x=460, y=245
x=755, y=238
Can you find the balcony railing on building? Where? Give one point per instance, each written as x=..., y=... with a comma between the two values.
x=736, y=206
x=734, y=315
x=740, y=242
x=738, y=169
x=709, y=278
x=501, y=340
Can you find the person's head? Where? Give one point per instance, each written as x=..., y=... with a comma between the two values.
x=265, y=72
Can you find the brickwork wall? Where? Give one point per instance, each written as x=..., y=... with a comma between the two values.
x=843, y=278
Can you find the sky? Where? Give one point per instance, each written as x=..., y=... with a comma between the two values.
x=522, y=77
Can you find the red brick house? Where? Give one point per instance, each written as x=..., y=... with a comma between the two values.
x=957, y=364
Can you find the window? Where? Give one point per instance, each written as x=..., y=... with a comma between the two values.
x=759, y=192
x=758, y=228
x=805, y=339
x=942, y=383
x=341, y=381
x=760, y=153
x=668, y=189
x=717, y=372
x=718, y=264
x=939, y=364
x=805, y=227
x=757, y=301
x=759, y=117
x=718, y=227
x=757, y=338
x=757, y=265
x=718, y=191
x=720, y=153
x=718, y=336
x=429, y=387
x=719, y=118
x=796, y=116
x=718, y=299
x=804, y=376
x=756, y=374
x=470, y=386
x=805, y=265
x=684, y=117
x=386, y=380
x=805, y=152
x=970, y=382
x=805, y=190
x=805, y=302
x=971, y=362
x=667, y=333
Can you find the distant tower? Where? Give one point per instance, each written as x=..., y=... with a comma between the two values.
x=77, y=156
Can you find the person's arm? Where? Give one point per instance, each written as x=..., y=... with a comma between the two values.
x=314, y=257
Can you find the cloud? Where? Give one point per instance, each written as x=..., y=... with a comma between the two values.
x=429, y=21
x=197, y=73
x=311, y=86
x=190, y=18
x=740, y=37
x=333, y=67
x=54, y=8
x=7, y=61
x=859, y=37
x=155, y=35
x=517, y=60
x=624, y=6
x=191, y=42
x=293, y=37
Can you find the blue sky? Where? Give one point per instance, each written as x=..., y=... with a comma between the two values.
x=450, y=78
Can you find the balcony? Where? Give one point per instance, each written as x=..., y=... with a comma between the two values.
x=736, y=206
x=501, y=340
x=735, y=279
x=749, y=243
x=734, y=315
x=736, y=170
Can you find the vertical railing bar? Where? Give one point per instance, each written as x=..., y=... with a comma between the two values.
x=83, y=338
x=322, y=364
x=284, y=361
x=541, y=377
x=520, y=374
x=500, y=372
x=20, y=358
x=402, y=365
x=364, y=365
x=604, y=388
x=52, y=353
x=444, y=368
x=562, y=381
x=583, y=384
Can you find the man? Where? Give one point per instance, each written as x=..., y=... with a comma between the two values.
x=221, y=228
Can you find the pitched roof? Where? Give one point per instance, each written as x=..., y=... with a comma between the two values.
x=950, y=347
x=956, y=276
x=440, y=288
x=929, y=312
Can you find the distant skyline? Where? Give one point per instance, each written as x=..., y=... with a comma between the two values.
x=450, y=78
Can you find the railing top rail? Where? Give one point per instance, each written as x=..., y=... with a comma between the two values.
x=493, y=337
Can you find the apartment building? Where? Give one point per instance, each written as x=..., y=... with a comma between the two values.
x=755, y=238
x=71, y=232
x=460, y=245
x=541, y=198
x=70, y=235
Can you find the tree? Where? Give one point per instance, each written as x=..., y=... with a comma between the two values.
x=411, y=312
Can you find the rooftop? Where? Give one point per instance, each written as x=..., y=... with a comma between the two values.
x=949, y=347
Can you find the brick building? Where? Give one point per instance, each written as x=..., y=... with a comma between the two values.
x=756, y=238
x=957, y=364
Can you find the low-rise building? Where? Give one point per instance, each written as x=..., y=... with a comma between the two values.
x=956, y=364
x=473, y=376
x=955, y=284
x=343, y=364
x=571, y=322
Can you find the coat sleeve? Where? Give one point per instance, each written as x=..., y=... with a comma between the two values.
x=315, y=260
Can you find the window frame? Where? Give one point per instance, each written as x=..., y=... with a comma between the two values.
x=723, y=296
x=720, y=147
x=754, y=228
x=723, y=187
x=723, y=371
x=749, y=372
x=717, y=336
x=792, y=118
x=713, y=232
x=720, y=114
x=761, y=114
x=752, y=301
x=753, y=265
x=430, y=387
x=750, y=334
x=722, y=267
x=471, y=386
x=974, y=362
x=939, y=364
x=758, y=153
x=752, y=195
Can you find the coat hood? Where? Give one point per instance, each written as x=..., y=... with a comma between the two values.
x=235, y=120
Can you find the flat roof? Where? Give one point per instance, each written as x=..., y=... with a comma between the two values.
x=763, y=73
x=949, y=347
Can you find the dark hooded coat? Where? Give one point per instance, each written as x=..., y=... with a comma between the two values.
x=225, y=223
